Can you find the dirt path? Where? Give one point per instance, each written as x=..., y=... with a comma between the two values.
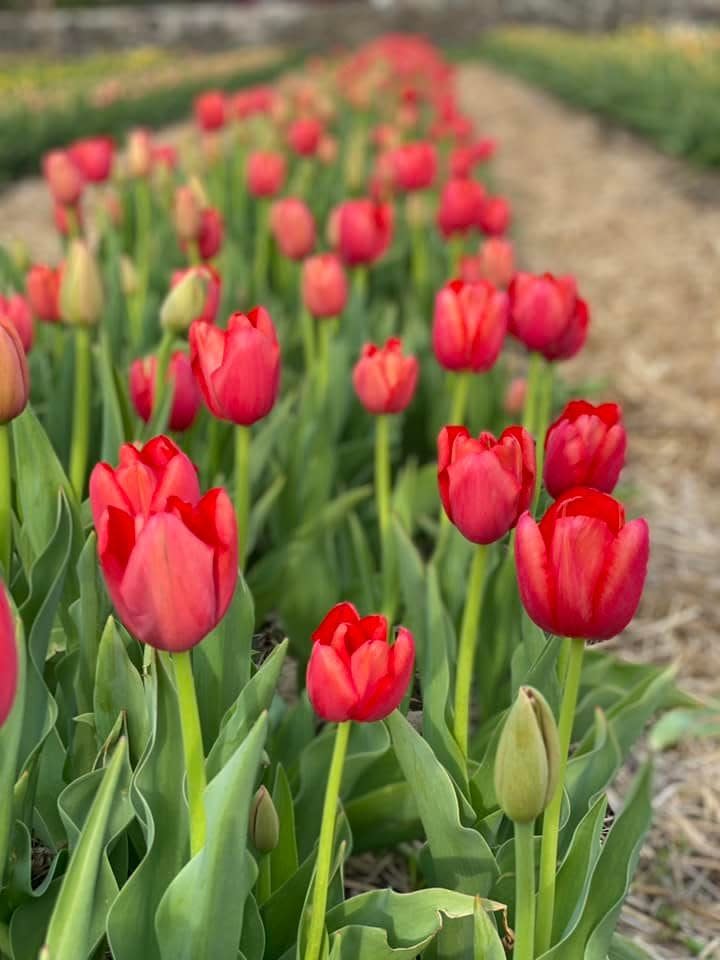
x=642, y=234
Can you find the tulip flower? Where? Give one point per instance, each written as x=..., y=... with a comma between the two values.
x=459, y=209
x=515, y=394
x=68, y=220
x=210, y=236
x=364, y=231
x=94, y=157
x=63, y=177
x=324, y=285
x=213, y=283
x=42, y=285
x=17, y=309
x=585, y=447
x=8, y=658
x=547, y=315
x=414, y=166
x=384, y=378
x=14, y=374
x=354, y=673
x=469, y=325
x=210, y=110
x=265, y=173
x=187, y=212
x=139, y=152
x=81, y=291
x=293, y=227
x=164, y=156
x=186, y=395
x=304, y=136
x=494, y=216
x=496, y=261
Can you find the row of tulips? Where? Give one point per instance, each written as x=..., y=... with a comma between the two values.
x=176, y=780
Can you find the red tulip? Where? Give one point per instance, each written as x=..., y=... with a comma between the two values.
x=515, y=394
x=547, y=314
x=8, y=658
x=364, y=230
x=210, y=237
x=17, y=309
x=293, y=227
x=496, y=261
x=14, y=374
x=581, y=570
x=63, y=177
x=324, y=285
x=140, y=152
x=187, y=212
x=186, y=396
x=328, y=150
x=460, y=203
x=585, y=447
x=238, y=369
x=252, y=101
x=210, y=110
x=485, y=484
x=63, y=216
x=42, y=285
x=494, y=216
x=469, y=325
x=304, y=136
x=384, y=378
x=414, y=166
x=354, y=673
x=265, y=173
x=94, y=157
x=164, y=155
x=212, y=298
x=169, y=557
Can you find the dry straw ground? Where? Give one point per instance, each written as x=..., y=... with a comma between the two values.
x=642, y=234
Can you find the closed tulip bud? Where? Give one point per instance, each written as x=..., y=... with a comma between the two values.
x=128, y=276
x=414, y=166
x=211, y=110
x=14, y=375
x=293, y=227
x=469, y=325
x=494, y=216
x=186, y=395
x=8, y=655
x=42, y=285
x=264, y=822
x=237, y=369
x=94, y=157
x=208, y=314
x=384, y=378
x=265, y=173
x=496, y=261
x=81, y=292
x=169, y=557
x=139, y=153
x=184, y=302
x=515, y=394
x=527, y=763
x=19, y=255
x=187, y=212
x=17, y=309
x=210, y=237
x=365, y=230
x=485, y=484
x=354, y=673
x=328, y=150
x=460, y=203
x=324, y=285
x=304, y=136
x=585, y=447
x=63, y=177
x=547, y=315
x=582, y=569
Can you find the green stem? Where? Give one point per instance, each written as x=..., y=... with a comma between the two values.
x=193, y=748
x=359, y=284
x=534, y=388
x=193, y=253
x=524, y=892
x=466, y=649
x=544, y=412
x=325, y=846
x=382, y=499
x=161, y=382
x=262, y=249
x=242, y=489
x=5, y=504
x=143, y=226
x=461, y=392
x=81, y=411
x=456, y=248
x=263, y=887
x=326, y=329
x=551, y=821
x=307, y=328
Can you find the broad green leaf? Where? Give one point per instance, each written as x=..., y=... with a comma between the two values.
x=576, y=870
x=10, y=734
x=69, y=933
x=623, y=949
x=119, y=690
x=89, y=613
x=284, y=858
x=252, y=941
x=364, y=564
x=487, y=944
x=113, y=427
x=384, y=817
x=261, y=510
x=412, y=586
x=684, y=724
x=200, y=917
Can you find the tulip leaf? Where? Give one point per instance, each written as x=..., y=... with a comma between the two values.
x=384, y=817
x=461, y=858
x=534, y=664
x=333, y=513
x=364, y=564
x=255, y=698
x=69, y=935
x=684, y=724
x=284, y=858
x=576, y=870
x=157, y=797
x=200, y=917
x=487, y=944
x=114, y=426
x=88, y=613
x=592, y=933
x=252, y=941
x=10, y=736
x=261, y=510
x=269, y=436
x=119, y=691
x=221, y=663
x=413, y=588
x=623, y=949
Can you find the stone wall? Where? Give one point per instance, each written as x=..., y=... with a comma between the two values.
x=315, y=25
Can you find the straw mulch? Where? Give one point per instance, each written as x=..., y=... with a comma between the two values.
x=642, y=234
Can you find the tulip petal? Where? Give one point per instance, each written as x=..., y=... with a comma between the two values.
x=484, y=497
x=246, y=384
x=577, y=557
x=207, y=346
x=329, y=685
x=8, y=658
x=369, y=664
x=621, y=586
x=389, y=692
x=534, y=580
x=341, y=613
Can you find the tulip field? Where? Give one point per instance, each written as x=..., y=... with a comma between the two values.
x=309, y=553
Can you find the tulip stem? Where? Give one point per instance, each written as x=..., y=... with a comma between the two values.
x=326, y=329
x=359, y=285
x=458, y=405
x=159, y=422
x=5, y=502
x=242, y=489
x=143, y=224
x=262, y=249
x=193, y=747
x=318, y=905
x=534, y=389
x=466, y=649
x=542, y=421
x=524, y=892
x=81, y=411
x=383, y=488
x=263, y=887
x=575, y=649
x=307, y=329
x=456, y=248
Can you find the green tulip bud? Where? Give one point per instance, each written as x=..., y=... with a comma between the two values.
x=184, y=302
x=20, y=255
x=128, y=276
x=81, y=291
x=264, y=823
x=527, y=763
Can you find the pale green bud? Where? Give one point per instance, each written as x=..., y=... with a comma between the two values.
x=264, y=822
x=184, y=302
x=81, y=291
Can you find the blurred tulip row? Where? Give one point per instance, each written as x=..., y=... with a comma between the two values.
x=303, y=542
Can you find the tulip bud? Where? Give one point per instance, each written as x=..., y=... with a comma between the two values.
x=264, y=822
x=184, y=302
x=527, y=763
x=187, y=212
x=81, y=291
x=139, y=153
x=20, y=255
x=128, y=276
x=14, y=376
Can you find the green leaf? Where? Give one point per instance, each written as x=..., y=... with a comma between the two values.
x=684, y=724
x=113, y=426
x=284, y=858
x=201, y=917
x=10, y=734
x=261, y=510
x=576, y=870
x=69, y=932
x=413, y=586
x=623, y=949
x=487, y=943
x=461, y=858
x=384, y=817
x=119, y=690
x=364, y=564
x=88, y=613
